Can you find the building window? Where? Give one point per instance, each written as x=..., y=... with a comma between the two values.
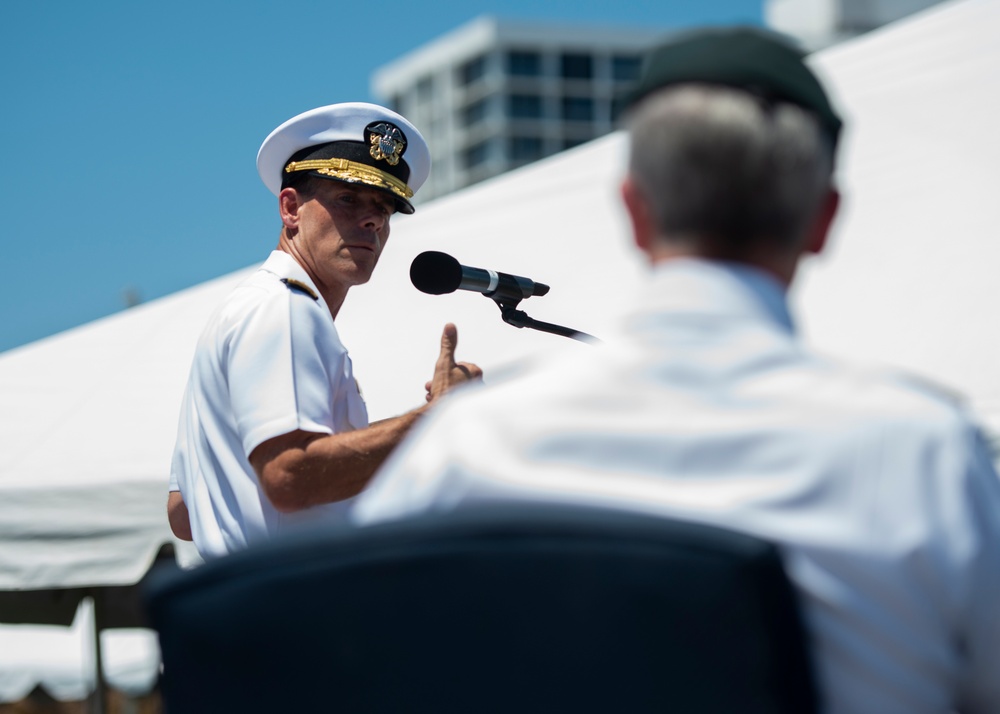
x=570, y=142
x=425, y=88
x=524, y=64
x=625, y=68
x=524, y=106
x=577, y=109
x=472, y=70
x=475, y=112
x=576, y=66
x=476, y=155
x=618, y=105
x=524, y=148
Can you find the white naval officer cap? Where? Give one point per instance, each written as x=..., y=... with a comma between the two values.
x=354, y=142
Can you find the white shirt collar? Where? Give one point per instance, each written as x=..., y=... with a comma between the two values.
x=703, y=287
x=283, y=265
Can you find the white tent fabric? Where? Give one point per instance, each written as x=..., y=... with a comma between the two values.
x=61, y=659
x=88, y=417
x=911, y=277
x=86, y=432
x=908, y=280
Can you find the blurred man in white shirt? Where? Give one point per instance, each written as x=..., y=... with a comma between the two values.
x=707, y=407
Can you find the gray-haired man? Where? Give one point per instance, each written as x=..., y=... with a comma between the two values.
x=707, y=407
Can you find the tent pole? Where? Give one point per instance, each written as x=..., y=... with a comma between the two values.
x=98, y=701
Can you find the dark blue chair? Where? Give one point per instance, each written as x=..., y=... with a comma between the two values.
x=500, y=609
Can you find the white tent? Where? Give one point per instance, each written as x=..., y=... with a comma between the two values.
x=912, y=275
x=88, y=417
x=60, y=659
x=909, y=279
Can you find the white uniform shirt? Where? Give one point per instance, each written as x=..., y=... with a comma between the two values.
x=269, y=362
x=706, y=407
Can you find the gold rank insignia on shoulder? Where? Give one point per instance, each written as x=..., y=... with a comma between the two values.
x=301, y=287
x=387, y=142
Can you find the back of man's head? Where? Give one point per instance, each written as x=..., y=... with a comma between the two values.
x=732, y=150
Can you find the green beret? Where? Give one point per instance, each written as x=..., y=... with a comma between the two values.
x=758, y=61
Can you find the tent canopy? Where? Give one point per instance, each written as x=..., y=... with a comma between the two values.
x=88, y=417
x=910, y=277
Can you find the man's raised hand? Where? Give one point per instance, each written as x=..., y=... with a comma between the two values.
x=447, y=372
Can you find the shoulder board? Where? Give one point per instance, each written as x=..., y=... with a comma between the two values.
x=294, y=284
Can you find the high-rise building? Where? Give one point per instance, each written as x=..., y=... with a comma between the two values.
x=494, y=95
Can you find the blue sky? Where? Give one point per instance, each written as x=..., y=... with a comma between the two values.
x=129, y=130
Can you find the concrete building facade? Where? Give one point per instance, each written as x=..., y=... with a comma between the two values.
x=495, y=94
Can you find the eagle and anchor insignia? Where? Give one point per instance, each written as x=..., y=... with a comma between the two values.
x=387, y=142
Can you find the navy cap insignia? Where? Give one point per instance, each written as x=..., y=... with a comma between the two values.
x=387, y=142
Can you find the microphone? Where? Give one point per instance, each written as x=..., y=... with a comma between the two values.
x=438, y=273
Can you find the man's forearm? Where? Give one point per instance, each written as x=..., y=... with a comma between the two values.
x=304, y=469
x=177, y=516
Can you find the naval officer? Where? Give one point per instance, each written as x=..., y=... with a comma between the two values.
x=273, y=432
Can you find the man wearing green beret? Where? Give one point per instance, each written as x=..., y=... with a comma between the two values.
x=706, y=405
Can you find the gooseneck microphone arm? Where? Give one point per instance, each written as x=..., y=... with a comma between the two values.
x=519, y=319
x=438, y=273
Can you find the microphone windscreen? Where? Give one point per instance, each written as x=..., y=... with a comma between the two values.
x=435, y=273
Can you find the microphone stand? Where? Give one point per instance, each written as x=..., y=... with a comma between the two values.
x=518, y=318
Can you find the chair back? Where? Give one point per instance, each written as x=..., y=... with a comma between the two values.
x=501, y=609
